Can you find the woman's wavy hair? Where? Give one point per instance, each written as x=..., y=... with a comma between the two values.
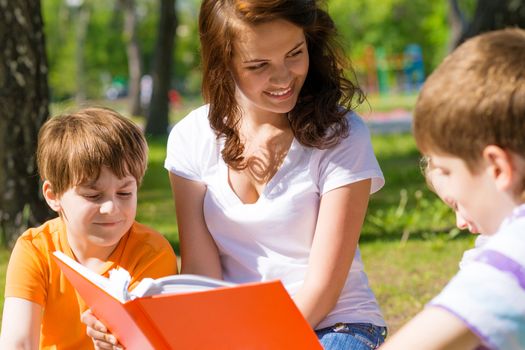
x=318, y=119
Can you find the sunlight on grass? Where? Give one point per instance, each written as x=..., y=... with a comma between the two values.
x=404, y=205
x=155, y=204
x=385, y=103
x=404, y=276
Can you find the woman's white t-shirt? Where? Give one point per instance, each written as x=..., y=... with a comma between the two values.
x=271, y=238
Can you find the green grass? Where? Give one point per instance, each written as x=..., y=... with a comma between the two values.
x=408, y=243
x=405, y=276
x=386, y=103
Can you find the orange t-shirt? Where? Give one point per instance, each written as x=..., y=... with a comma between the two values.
x=33, y=275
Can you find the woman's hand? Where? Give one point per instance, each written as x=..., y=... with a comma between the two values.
x=99, y=333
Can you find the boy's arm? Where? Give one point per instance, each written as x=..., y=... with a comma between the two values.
x=433, y=329
x=20, y=324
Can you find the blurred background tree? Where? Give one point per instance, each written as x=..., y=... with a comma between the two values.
x=24, y=99
x=158, y=114
x=488, y=15
x=121, y=36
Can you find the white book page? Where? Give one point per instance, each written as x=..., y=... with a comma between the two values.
x=116, y=285
x=176, y=284
x=119, y=279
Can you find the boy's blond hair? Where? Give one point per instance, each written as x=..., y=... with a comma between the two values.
x=73, y=148
x=475, y=98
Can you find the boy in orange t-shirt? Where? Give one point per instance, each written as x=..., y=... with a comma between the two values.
x=92, y=163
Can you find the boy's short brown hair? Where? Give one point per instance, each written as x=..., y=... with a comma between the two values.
x=73, y=148
x=475, y=98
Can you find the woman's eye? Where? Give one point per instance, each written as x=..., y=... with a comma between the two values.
x=296, y=53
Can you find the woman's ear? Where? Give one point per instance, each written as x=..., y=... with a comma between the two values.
x=52, y=199
x=501, y=167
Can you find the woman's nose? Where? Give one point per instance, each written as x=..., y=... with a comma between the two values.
x=281, y=76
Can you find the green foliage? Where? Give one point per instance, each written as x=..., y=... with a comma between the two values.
x=392, y=25
x=60, y=48
x=187, y=55
x=104, y=51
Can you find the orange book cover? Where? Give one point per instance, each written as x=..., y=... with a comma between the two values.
x=246, y=316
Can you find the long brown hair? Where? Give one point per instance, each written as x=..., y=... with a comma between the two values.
x=318, y=118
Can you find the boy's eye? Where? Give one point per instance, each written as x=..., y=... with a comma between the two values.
x=124, y=194
x=90, y=196
x=257, y=66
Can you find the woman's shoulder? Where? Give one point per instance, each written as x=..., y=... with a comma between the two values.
x=192, y=144
x=193, y=128
x=196, y=119
x=356, y=124
x=357, y=134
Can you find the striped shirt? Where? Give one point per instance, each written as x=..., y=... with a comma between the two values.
x=489, y=293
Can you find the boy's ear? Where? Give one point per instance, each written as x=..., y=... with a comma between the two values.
x=500, y=166
x=51, y=197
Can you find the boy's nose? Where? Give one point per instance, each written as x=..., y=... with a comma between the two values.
x=108, y=207
x=461, y=223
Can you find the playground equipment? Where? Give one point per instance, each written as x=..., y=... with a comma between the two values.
x=381, y=73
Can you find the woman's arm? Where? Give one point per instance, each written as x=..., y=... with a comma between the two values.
x=339, y=222
x=433, y=329
x=198, y=252
x=20, y=324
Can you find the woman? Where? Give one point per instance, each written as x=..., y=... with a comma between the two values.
x=271, y=178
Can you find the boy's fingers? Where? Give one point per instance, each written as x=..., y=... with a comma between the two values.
x=102, y=346
x=90, y=320
x=106, y=346
x=98, y=332
x=101, y=337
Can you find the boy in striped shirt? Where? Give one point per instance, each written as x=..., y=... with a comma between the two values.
x=470, y=121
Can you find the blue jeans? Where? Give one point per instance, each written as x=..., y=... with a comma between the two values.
x=351, y=336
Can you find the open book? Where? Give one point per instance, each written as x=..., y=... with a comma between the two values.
x=191, y=312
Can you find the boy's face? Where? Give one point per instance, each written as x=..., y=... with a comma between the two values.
x=101, y=212
x=462, y=220
x=469, y=194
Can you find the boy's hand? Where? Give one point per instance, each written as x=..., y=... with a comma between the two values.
x=97, y=331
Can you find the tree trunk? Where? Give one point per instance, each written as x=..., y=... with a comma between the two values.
x=24, y=99
x=493, y=15
x=134, y=58
x=458, y=24
x=157, y=123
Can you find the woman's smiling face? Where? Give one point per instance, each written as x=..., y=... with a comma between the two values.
x=269, y=65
